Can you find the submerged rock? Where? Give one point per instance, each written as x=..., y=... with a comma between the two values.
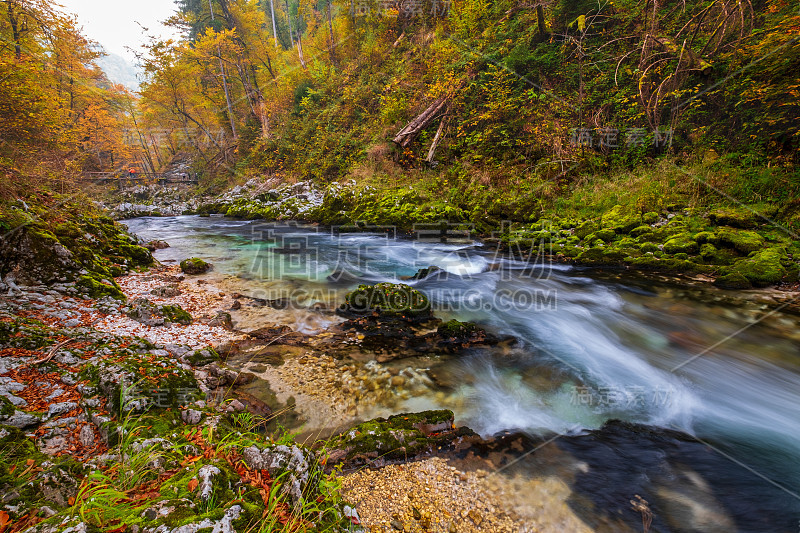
x=156, y=245
x=392, y=339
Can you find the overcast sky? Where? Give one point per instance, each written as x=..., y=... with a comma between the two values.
x=113, y=23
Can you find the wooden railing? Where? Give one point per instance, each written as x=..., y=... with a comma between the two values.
x=127, y=178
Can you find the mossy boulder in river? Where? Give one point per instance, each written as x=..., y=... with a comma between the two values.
x=195, y=265
x=460, y=333
x=387, y=300
x=399, y=438
x=761, y=269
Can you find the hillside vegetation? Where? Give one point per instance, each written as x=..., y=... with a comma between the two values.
x=537, y=100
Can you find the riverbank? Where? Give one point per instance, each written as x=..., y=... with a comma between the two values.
x=97, y=395
x=734, y=246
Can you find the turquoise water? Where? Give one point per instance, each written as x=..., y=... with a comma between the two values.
x=593, y=346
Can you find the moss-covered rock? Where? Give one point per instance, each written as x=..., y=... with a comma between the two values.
x=138, y=255
x=460, y=332
x=733, y=280
x=194, y=266
x=714, y=256
x=590, y=226
x=762, y=268
x=641, y=230
x=400, y=437
x=648, y=247
x=176, y=314
x=742, y=241
x=98, y=287
x=151, y=314
x=681, y=243
x=650, y=218
x=705, y=237
x=65, y=242
x=738, y=217
x=601, y=255
x=621, y=219
x=606, y=235
x=386, y=300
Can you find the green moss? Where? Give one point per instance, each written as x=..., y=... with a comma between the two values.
x=601, y=256
x=650, y=218
x=6, y=407
x=606, y=235
x=668, y=264
x=194, y=265
x=712, y=255
x=100, y=288
x=621, y=220
x=681, y=243
x=738, y=217
x=590, y=226
x=733, y=280
x=138, y=255
x=459, y=330
x=705, y=237
x=399, y=436
x=387, y=299
x=648, y=247
x=175, y=313
x=203, y=357
x=762, y=268
x=742, y=241
x=641, y=230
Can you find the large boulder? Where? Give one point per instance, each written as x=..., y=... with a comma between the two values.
x=387, y=300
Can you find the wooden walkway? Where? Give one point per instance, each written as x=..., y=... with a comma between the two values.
x=125, y=178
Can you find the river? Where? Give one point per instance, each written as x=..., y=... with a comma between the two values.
x=593, y=346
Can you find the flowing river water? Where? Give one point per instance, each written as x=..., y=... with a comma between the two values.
x=592, y=347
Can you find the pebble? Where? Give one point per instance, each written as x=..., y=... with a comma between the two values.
x=423, y=496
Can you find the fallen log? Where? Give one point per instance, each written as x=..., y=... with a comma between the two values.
x=410, y=132
x=436, y=139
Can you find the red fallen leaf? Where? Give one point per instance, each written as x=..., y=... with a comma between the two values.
x=71, y=500
x=192, y=484
x=4, y=519
x=120, y=529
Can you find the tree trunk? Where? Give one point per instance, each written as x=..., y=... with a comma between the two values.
x=407, y=135
x=289, y=20
x=540, y=19
x=300, y=50
x=15, y=33
x=274, y=30
x=231, y=117
x=330, y=32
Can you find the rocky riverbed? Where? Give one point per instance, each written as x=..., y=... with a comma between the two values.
x=48, y=396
